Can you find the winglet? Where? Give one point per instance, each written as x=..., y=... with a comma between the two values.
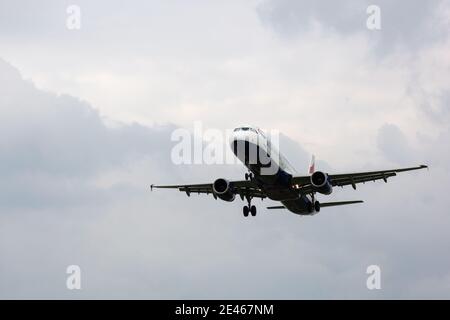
x=151, y=187
x=312, y=165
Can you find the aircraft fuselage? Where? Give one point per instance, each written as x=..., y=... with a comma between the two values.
x=270, y=169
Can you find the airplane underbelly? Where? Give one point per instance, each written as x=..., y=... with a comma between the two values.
x=277, y=187
x=298, y=206
x=279, y=194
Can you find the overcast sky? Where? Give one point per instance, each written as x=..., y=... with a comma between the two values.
x=86, y=118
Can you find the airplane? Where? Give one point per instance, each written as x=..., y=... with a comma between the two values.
x=297, y=193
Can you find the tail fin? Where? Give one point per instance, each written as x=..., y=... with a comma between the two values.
x=312, y=165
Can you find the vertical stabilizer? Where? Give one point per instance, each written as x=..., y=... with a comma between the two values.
x=312, y=165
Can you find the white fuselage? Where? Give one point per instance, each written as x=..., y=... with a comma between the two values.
x=272, y=172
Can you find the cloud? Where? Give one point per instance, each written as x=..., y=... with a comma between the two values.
x=75, y=190
x=60, y=142
x=393, y=143
x=405, y=24
x=166, y=65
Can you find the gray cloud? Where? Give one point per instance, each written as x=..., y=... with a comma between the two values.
x=75, y=191
x=394, y=145
x=62, y=142
x=433, y=105
x=407, y=24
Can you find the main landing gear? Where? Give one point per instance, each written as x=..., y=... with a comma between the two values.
x=249, y=209
x=317, y=206
x=249, y=176
x=314, y=207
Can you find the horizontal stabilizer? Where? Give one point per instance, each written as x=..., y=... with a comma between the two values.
x=338, y=203
x=325, y=204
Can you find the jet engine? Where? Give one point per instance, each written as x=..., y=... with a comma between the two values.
x=321, y=182
x=223, y=189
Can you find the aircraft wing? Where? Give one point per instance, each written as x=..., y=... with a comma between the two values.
x=340, y=180
x=242, y=188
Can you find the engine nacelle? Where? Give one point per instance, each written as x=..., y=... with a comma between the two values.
x=321, y=183
x=223, y=189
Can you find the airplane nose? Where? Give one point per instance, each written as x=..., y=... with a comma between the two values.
x=244, y=150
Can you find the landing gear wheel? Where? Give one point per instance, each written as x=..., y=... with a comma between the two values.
x=253, y=210
x=246, y=176
x=317, y=206
x=245, y=210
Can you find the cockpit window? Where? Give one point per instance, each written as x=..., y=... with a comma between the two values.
x=245, y=129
